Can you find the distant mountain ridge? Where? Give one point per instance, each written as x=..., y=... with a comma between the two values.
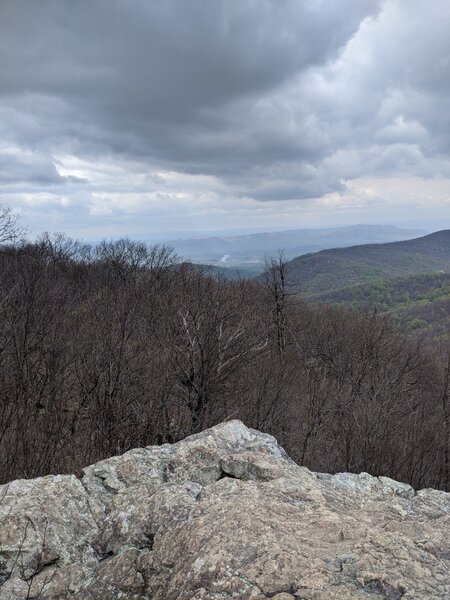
x=250, y=250
x=332, y=269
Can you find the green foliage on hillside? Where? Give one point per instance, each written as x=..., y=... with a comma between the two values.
x=419, y=303
x=408, y=280
x=331, y=270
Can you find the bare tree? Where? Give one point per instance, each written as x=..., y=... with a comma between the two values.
x=10, y=228
x=445, y=399
x=275, y=284
x=107, y=348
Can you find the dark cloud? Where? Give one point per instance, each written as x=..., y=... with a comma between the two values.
x=156, y=77
x=265, y=99
x=166, y=59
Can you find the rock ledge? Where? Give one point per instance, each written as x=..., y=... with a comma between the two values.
x=223, y=514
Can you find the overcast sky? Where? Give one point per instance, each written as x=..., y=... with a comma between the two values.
x=136, y=117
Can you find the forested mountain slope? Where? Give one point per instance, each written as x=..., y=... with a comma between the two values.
x=341, y=267
x=419, y=303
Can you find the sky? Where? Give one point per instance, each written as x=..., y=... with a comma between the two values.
x=153, y=118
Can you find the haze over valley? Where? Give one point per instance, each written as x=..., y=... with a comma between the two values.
x=248, y=252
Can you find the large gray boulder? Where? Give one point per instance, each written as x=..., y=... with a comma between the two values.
x=223, y=514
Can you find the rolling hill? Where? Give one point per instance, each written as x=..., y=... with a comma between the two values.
x=331, y=270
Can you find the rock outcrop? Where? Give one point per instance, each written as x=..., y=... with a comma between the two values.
x=223, y=514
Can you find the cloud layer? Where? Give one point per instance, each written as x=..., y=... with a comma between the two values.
x=137, y=116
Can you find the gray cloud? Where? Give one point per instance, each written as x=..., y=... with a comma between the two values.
x=33, y=169
x=268, y=100
x=148, y=68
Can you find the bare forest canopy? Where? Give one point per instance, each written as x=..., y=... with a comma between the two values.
x=108, y=348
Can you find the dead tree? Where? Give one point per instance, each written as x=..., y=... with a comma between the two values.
x=275, y=284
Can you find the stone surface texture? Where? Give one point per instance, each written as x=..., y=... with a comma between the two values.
x=223, y=514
